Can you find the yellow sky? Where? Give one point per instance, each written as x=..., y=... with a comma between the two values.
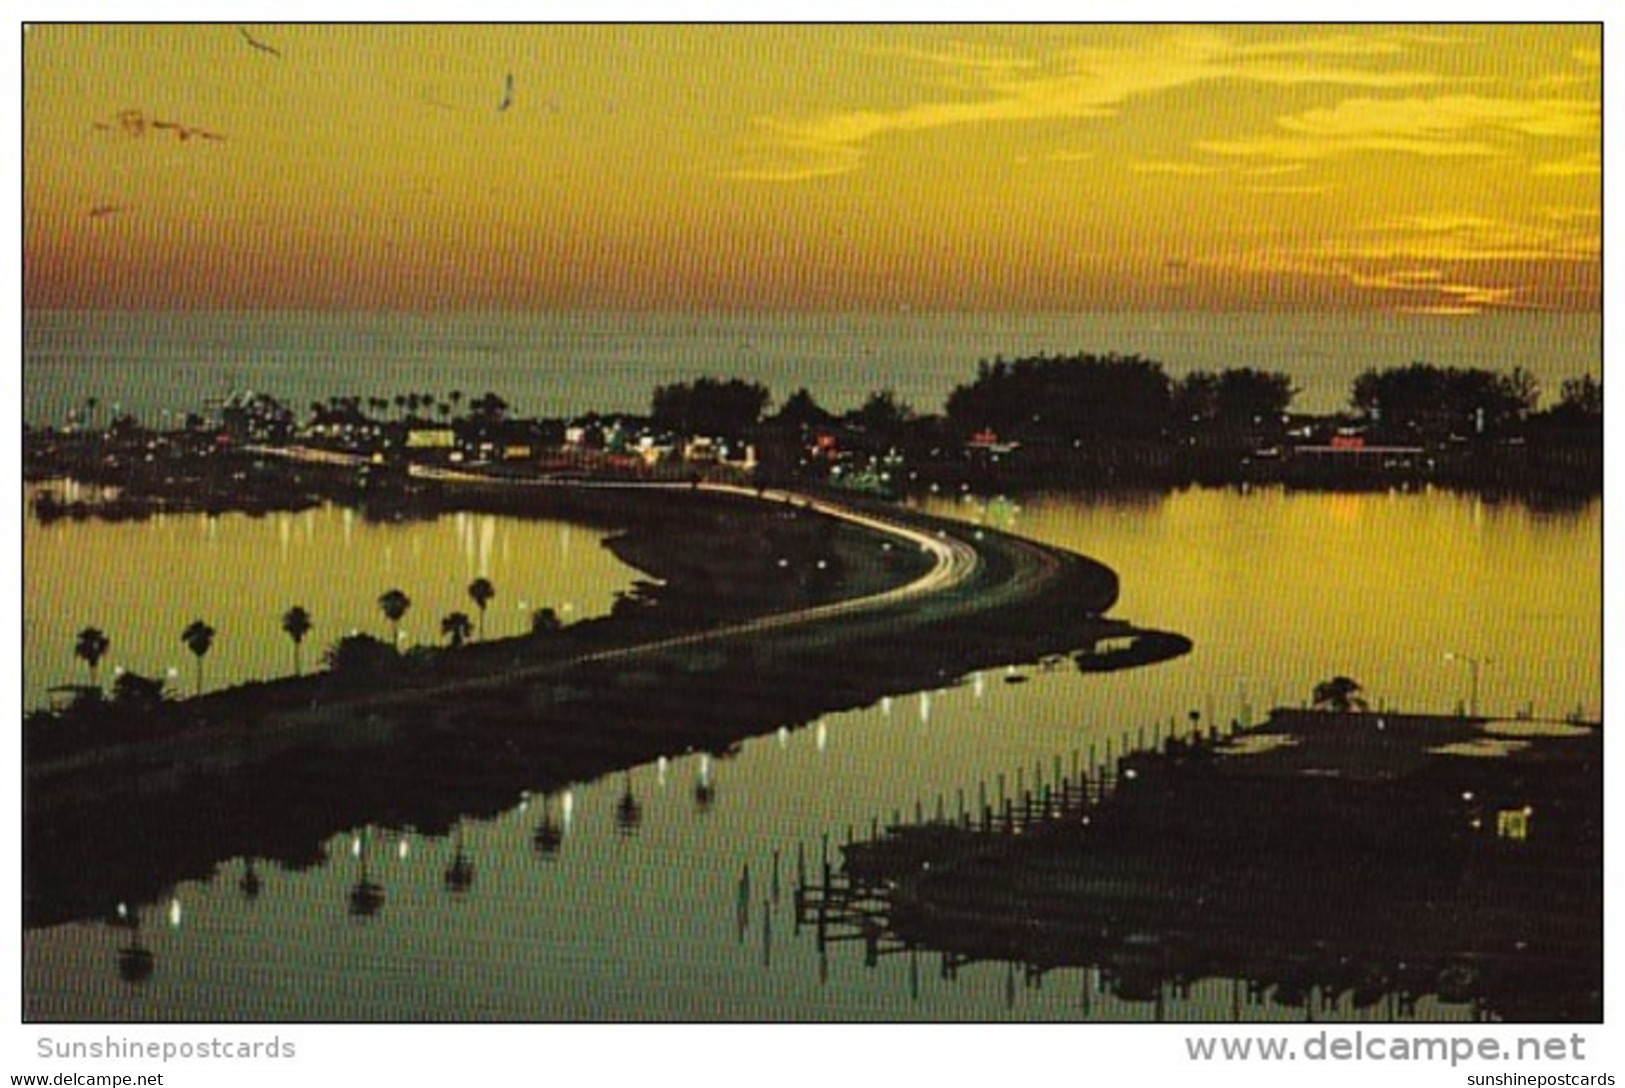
x=1445, y=169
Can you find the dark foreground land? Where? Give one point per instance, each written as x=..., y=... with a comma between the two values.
x=744, y=626
x=1323, y=860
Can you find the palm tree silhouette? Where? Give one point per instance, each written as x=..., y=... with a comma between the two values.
x=366, y=895
x=460, y=873
x=395, y=604
x=628, y=813
x=480, y=591
x=92, y=646
x=296, y=622
x=457, y=627
x=199, y=637
x=549, y=834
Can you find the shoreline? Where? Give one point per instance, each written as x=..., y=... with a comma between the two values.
x=1393, y=858
x=272, y=770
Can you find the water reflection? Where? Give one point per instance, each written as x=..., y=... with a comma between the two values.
x=550, y=939
x=459, y=875
x=705, y=790
x=134, y=960
x=250, y=883
x=628, y=812
x=366, y=897
x=548, y=838
x=1270, y=581
x=336, y=567
x=1179, y=868
x=136, y=963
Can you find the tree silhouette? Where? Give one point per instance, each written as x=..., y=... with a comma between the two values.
x=395, y=605
x=1427, y=402
x=91, y=647
x=480, y=591
x=199, y=637
x=801, y=410
x=360, y=657
x=457, y=627
x=882, y=414
x=140, y=694
x=544, y=621
x=1075, y=398
x=709, y=406
x=296, y=622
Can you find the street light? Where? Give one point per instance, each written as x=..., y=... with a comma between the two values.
x=1473, y=665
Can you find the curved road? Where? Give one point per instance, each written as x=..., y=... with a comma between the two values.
x=955, y=562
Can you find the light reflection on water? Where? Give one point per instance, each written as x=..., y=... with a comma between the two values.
x=655, y=893
x=565, y=916
x=1279, y=590
x=143, y=582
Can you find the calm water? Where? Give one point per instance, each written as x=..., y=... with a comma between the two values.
x=241, y=573
x=669, y=907
x=160, y=366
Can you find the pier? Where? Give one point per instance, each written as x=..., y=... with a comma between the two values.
x=1340, y=864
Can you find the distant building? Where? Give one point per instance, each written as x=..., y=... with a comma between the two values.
x=430, y=438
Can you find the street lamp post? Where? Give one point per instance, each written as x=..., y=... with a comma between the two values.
x=1473, y=666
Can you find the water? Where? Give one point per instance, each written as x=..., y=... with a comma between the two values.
x=161, y=366
x=668, y=907
x=1280, y=590
x=241, y=574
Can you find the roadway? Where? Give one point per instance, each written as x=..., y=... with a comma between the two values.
x=956, y=554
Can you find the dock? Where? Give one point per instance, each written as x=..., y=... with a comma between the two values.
x=1323, y=861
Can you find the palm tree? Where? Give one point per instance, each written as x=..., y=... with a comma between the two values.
x=480, y=591
x=199, y=637
x=457, y=627
x=92, y=647
x=296, y=622
x=1340, y=694
x=395, y=604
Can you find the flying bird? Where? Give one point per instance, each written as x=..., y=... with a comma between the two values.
x=507, y=93
x=186, y=132
x=102, y=210
x=257, y=44
x=136, y=124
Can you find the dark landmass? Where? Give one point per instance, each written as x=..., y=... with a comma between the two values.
x=1078, y=422
x=1319, y=858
